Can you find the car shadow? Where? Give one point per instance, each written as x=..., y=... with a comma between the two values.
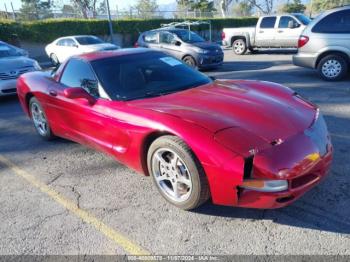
x=246, y=66
x=268, y=51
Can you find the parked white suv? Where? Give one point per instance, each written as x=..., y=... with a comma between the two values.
x=65, y=47
x=275, y=31
x=325, y=44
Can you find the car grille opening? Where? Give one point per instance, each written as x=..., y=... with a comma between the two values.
x=303, y=180
x=14, y=74
x=284, y=199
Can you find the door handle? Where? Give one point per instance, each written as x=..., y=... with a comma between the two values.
x=280, y=31
x=53, y=93
x=261, y=31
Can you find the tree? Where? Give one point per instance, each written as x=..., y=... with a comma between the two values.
x=86, y=7
x=322, y=5
x=264, y=6
x=35, y=9
x=224, y=6
x=146, y=8
x=295, y=7
x=201, y=5
x=243, y=8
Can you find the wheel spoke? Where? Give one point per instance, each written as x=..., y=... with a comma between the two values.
x=184, y=180
x=161, y=160
x=175, y=186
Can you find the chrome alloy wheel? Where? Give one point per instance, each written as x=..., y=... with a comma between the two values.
x=239, y=47
x=332, y=68
x=171, y=175
x=39, y=119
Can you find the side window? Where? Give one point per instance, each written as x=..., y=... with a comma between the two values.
x=61, y=42
x=166, y=38
x=79, y=74
x=70, y=42
x=268, y=22
x=151, y=37
x=335, y=23
x=285, y=20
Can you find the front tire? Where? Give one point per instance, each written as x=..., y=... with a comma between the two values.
x=39, y=118
x=332, y=68
x=189, y=60
x=239, y=47
x=177, y=173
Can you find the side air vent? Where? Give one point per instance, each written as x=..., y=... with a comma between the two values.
x=248, y=167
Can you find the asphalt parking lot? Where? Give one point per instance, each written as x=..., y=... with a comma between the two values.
x=105, y=208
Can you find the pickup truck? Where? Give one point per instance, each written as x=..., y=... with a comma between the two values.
x=273, y=31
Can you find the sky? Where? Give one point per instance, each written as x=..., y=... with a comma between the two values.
x=122, y=4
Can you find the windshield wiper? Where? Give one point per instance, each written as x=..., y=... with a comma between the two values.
x=149, y=95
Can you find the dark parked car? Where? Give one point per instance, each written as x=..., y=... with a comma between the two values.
x=185, y=45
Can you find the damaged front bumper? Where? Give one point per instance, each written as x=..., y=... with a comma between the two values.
x=283, y=173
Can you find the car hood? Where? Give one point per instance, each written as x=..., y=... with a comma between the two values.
x=206, y=45
x=264, y=110
x=15, y=62
x=104, y=46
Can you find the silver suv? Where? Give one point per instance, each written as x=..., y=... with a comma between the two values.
x=184, y=45
x=325, y=44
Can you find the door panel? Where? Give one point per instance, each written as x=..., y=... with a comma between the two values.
x=266, y=32
x=167, y=44
x=288, y=37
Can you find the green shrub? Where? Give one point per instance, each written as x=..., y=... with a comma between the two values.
x=45, y=31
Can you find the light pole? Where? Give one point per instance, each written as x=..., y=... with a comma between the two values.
x=109, y=21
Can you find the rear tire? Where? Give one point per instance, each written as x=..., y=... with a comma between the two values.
x=239, y=47
x=332, y=67
x=177, y=173
x=39, y=119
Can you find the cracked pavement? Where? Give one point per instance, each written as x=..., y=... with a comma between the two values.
x=32, y=223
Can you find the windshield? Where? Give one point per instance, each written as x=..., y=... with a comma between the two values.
x=145, y=75
x=188, y=36
x=8, y=51
x=88, y=40
x=303, y=19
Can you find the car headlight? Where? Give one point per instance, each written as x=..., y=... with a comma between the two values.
x=37, y=66
x=201, y=51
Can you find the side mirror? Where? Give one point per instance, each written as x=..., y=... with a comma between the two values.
x=177, y=43
x=78, y=92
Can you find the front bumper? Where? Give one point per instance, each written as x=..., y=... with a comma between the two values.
x=8, y=87
x=305, y=60
x=303, y=161
x=210, y=60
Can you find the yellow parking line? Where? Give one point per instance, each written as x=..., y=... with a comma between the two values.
x=112, y=234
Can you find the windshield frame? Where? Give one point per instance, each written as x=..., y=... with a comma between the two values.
x=16, y=52
x=177, y=33
x=303, y=19
x=83, y=43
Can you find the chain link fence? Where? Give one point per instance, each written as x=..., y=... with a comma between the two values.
x=131, y=13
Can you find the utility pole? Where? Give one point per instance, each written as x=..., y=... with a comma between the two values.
x=109, y=21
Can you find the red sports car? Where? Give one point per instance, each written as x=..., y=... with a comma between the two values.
x=240, y=143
